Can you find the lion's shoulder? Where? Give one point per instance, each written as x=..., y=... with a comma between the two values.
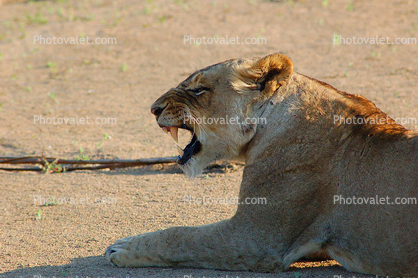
x=356, y=112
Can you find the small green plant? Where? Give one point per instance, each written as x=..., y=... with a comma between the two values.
x=60, y=12
x=7, y=24
x=107, y=136
x=124, y=67
x=50, y=202
x=50, y=64
x=350, y=6
x=23, y=35
x=52, y=167
x=22, y=27
x=28, y=89
x=116, y=21
x=1, y=56
x=70, y=16
x=38, y=215
x=325, y=3
x=162, y=19
x=81, y=155
x=38, y=18
x=51, y=95
x=34, y=50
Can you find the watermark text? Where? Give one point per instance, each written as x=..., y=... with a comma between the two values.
x=225, y=120
x=38, y=39
x=374, y=200
x=338, y=39
x=41, y=120
x=373, y=120
x=75, y=200
x=205, y=200
x=189, y=39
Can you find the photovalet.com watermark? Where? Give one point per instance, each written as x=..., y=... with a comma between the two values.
x=217, y=276
x=225, y=120
x=338, y=39
x=76, y=276
x=205, y=200
x=74, y=200
x=189, y=39
x=373, y=120
x=374, y=200
x=41, y=120
x=38, y=39
x=374, y=276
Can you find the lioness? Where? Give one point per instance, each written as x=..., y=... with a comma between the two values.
x=315, y=147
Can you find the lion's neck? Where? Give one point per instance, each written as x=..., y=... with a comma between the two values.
x=308, y=117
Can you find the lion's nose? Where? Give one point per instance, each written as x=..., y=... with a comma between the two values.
x=157, y=111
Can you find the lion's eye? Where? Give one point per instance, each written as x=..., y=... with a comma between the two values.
x=200, y=92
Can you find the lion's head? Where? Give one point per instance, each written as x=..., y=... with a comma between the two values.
x=221, y=106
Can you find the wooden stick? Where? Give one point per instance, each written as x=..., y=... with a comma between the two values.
x=39, y=159
x=101, y=163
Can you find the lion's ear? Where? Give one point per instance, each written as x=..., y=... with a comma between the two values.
x=267, y=74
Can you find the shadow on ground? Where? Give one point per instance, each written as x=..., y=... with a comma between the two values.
x=98, y=267
x=161, y=169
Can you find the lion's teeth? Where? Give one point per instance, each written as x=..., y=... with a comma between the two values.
x=181, y=152
x=166, y=129
x=174, y=131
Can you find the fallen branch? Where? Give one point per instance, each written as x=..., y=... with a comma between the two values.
x=50, y=164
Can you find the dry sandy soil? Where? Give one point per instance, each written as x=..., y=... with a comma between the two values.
x=120, y=81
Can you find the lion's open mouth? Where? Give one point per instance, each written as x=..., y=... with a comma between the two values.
x=192, y=148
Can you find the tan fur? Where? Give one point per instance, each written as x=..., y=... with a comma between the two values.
x=299, y=160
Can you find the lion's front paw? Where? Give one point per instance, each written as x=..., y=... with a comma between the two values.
x=124, y=252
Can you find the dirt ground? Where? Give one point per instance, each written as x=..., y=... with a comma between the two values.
x=120, y=81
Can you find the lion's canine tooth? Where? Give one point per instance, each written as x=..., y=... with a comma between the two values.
x=174, y=131
x=181, y=152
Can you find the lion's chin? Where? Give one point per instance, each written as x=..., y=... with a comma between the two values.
x=192, y=168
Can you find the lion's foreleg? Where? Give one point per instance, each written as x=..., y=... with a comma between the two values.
x=221, y=245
